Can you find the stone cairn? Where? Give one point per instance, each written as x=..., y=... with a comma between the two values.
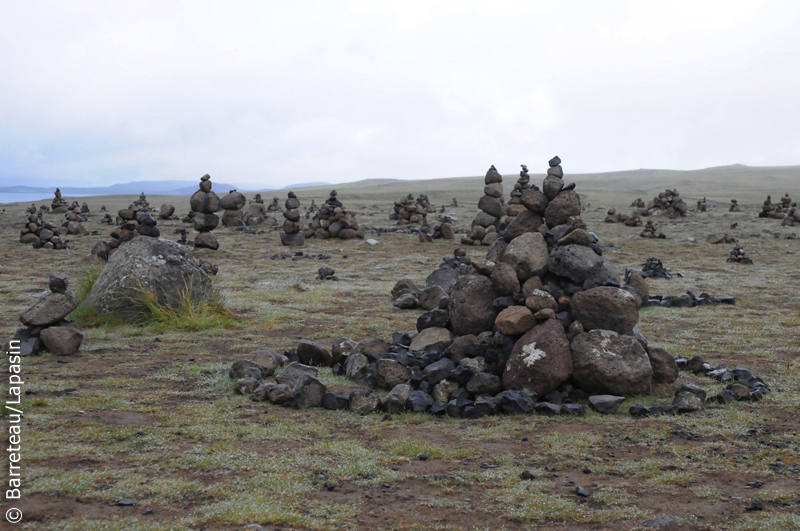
x=45, y=322
x=313, y=208
x=734, y=206
x=333, y=221
x=204, y=203
x=515, y=206
x=59, y=204
x=651, y=232
x=786, y=203
x=612, y=216
x=738, y=256
x=293, y=234
x=41, y=234
x=167, y=212
x=544, y=317
x=725, y=238
x=232, y=204
x=492, y=209
x=274, y=206
x=638, y=203
x=702, y=206
x=257, y=199
x=407, y=211
x=654, y=268
x=792, y=218
x=134, y=223
x=668, y=203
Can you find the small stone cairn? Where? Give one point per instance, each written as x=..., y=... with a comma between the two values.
x=425, y=204
x=515, y=205
x=654, y=268
x=293, y=234
x=257, y=199
x=650, y=231
x=232, y=203
x=274, y=206
x=725, y=238
x=669, y=203
x=407, y=211
x=45, y=322
x=492, y=209
x=738, y=256
x=167, y=212
x=638, y=203
x=59, y=204
x=792, y=218
x=702, y=206
x=41, y=234
x=204, y=203
x=734, y=206
x=333, y=221
x=141, y=204
x=134, y=223
x=313, y=208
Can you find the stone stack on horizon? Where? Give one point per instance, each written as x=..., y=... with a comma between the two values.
x=232, y=204
x=257, y=199
x=205, y=203
x=515, y=205
x=274, y=206
x=333, y=221
x=59, y=204
x=734, y=206
x=770, y=210
x=492, y=208
x=638, y=203
x=668, y=203
x=293, y=234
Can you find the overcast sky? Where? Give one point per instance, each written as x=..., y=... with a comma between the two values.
x=276, y=93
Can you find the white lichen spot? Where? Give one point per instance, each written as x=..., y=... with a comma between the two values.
x=532, y=354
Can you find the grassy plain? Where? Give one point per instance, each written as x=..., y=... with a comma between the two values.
x=148, y=413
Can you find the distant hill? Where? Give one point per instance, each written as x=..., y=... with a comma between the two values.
x=137, y=187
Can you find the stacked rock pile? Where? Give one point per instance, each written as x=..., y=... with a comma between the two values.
x=613, y=217
x=667, y=203
x=734, y=206
x=45, y=323
x=739, y=256
x=425, y=204
x=107, y=219
x=407, y=211
x=687, y=300
x=702, y=206
x=638, y=203
x=333, y=221
x=232, y=203
x=725, y=238
x=41, y=234
x=792, y=218
x=770, y=210
x=492, y=209
x=515, y=205
x=654, y=268
x=141, y=204
x=59, y=204
x=313, y=208
x=167, y=212
x=651, y=232
x=142, y=224
x=544, y=307
x=204, y=203
x=257, y=199
x=292, y=234
x=632, y=221
x=274, y=206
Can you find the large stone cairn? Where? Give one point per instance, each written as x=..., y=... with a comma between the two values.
x=515, y=205
x=73, y=219
x=204, y=203
x=293, y=234
x=167, y=212
x=770, y=210
x=669, y=203
x=407, y=211
x=734, y=206
x=739, y=256
x=45, y=322
x=59, y=204
x=232, y=204
x=650, y=231
x=333, y=221
x=41, y=234
x=492, y=208
x=544, y=316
